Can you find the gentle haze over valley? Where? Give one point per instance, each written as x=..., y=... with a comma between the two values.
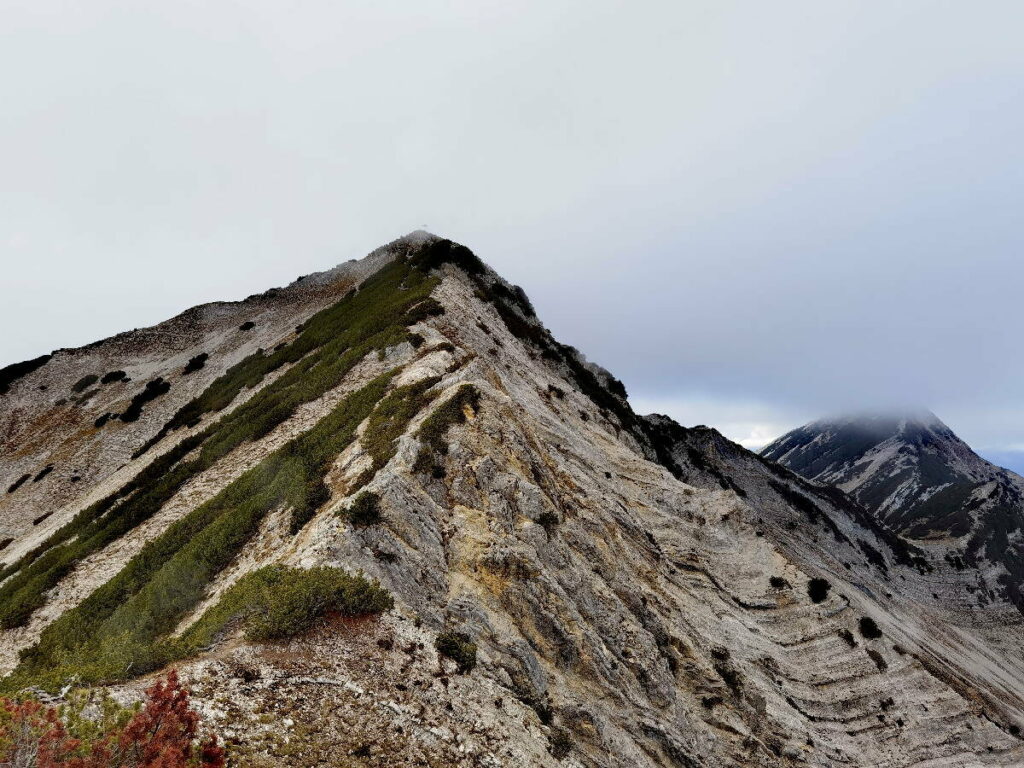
x=755, y=214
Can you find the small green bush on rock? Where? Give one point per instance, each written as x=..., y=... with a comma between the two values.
x=278, y=602
x=152, y=391
x=83, y=383
x=458, y=647
x=869, y=629
x=196, y=363
x=435, y=427
x=365, y=509
x=818, y=590
x=391, y=417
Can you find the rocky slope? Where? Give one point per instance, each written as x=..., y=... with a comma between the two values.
x=912, y=472
x=638, y=594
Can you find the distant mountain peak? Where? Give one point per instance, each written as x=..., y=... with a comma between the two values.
x=917, y=476
x=892, y=462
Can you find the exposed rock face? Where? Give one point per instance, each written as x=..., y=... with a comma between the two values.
x=918, y=477
x=639, y=594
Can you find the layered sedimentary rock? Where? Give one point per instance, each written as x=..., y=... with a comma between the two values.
x=572, y=584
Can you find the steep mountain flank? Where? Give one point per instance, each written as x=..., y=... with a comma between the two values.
x=913, y=473
x=423, y=532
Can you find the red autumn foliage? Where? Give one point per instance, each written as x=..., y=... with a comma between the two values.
x=163, y=734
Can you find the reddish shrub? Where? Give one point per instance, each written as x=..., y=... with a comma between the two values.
x=162, y=734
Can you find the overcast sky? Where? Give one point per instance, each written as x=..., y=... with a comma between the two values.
x=754, y=213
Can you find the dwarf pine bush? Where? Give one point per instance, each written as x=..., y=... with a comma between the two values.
x=458, y=647
x=278, y=602
x=435, y=427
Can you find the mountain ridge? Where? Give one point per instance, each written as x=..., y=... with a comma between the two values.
x=572, y=583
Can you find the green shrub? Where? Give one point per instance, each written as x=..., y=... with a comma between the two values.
x=112, y=376
x=435, y=427
x=559, y=743
x=429, y=307
x=817, y=590
x=391, y=418
x=151, y=391
x=19, y=482
x=365, y=509
x=777, y=582
x=446, y=252
x=328, y=345
x=610, y=397
x=278, y=602
x=879, y=660
x=549, y=521
x=196, y=363
x=869, y=629
x=458, y=647
x=85, y=382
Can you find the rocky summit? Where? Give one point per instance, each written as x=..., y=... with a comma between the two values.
x=914, y=474
x=381, y=517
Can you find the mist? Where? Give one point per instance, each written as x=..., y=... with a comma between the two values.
x=753, y=214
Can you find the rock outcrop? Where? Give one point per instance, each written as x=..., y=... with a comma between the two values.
x=573, y=584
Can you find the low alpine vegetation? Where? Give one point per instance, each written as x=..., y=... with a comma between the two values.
x=277, y=602
x=458, y=647
x=869, y=629
x=116, y=632
x=19, y=482
x=549, y=522
x=435, y=428
x=818, y=589
x=391, y=418
x=84, y=383
x=365, y=509
x=11, y=373
x=164, y=732
x=330, y=344
x=196, y=363
x=152, y=391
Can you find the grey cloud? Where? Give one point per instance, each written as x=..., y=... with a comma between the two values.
x=756, y=212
